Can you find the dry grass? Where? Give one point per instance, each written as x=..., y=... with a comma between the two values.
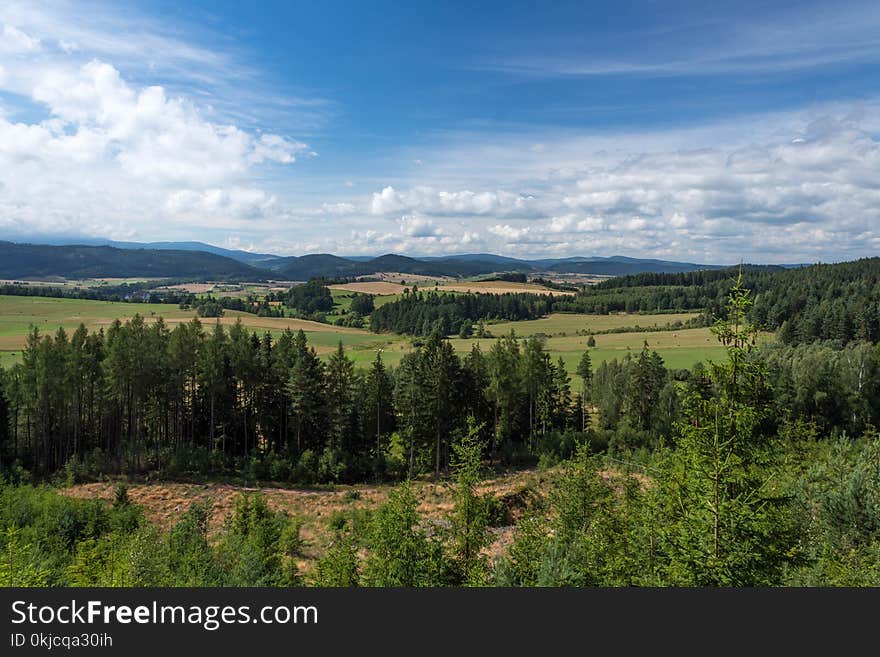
x=164, y=503
x=398, y=277
x=502, y=287
x=371, y=287
x=194, y=288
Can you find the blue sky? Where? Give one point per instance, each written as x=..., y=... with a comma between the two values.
x=659, y=129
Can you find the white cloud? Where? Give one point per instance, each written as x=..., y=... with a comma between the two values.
x=340, y=209
x=508, y=232
x=110, y=158
x=14, y=41
x=795, y=186
x=235, y=202
x=418, y=226
x=457, y=202
x=386, y=201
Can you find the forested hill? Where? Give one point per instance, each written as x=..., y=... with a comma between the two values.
x=322, y=265
x=75, y=261
x=820, y=302
x=329, y=266
x=195, y=259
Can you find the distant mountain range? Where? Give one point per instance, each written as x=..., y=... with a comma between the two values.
x=79, y=261
x=197, y=260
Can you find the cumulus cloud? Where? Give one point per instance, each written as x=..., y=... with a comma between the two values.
x=455, y=202
x=234, y=202
x=149, y=134
x=110, y=158
x=805, y=189
x=418, y=226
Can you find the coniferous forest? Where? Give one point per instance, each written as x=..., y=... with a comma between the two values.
x=761, y=468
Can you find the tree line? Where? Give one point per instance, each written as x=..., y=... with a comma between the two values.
x=143, y=292
x=805, y=304
x=423, y=313
x=144, y=396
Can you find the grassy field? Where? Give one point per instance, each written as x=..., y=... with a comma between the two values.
x=559, y=323
x=18, y=314
x=679, y=349
x=342, y=297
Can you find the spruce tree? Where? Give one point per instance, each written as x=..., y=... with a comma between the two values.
x=726, y=525
x=469, y=521
x=340, y=381
x=585, y=371
x=378, y=414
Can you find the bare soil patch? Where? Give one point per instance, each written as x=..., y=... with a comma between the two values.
x=165, y=503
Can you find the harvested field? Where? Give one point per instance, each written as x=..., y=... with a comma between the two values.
x=194, y=288
x=371, y=287
x=409, y=279
x=502, y=287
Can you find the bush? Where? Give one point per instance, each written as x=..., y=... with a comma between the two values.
x=331, y=466
x=279, y=467
x=306, y=470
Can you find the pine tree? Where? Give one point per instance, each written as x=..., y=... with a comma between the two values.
x=505, y=388
x=400, y=552
x=212, y=375
x=6, y=449
x=469, y=521
x=585, y=371
x=725, y=525
x=537, y=374
x=378, y=416
x=306, y=391
x=441, y=368
x=409, y=397
x=340, y=382
x=643, y=390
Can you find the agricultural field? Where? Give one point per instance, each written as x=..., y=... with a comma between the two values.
x=409, y=279
x=370, y=287
x=230, y=289
x=500, y=287
x=18, y=314
x=570, y=324
x=76, y=282
x=394, y=287
x=679, y=349
x=343, y=294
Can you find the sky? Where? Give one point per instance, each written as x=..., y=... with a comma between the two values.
x=703, y=132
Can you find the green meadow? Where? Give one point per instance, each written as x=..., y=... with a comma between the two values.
x=564, y=335
x=557, y=323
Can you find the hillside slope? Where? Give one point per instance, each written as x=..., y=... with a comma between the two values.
x=76, y=261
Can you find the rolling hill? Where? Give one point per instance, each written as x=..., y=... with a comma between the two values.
x=199, y=261
x=79, y=261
